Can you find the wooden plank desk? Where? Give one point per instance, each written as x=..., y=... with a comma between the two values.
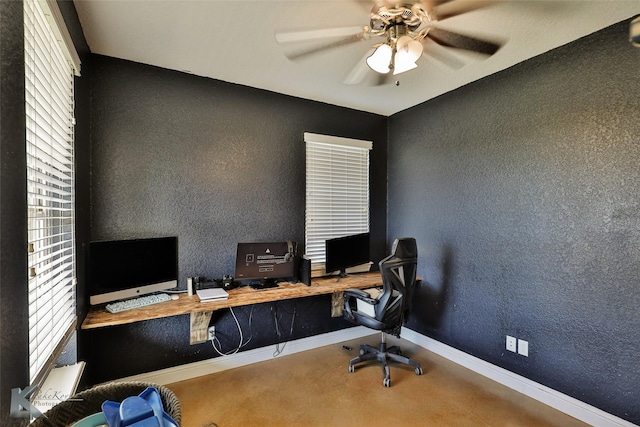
x=99, y=317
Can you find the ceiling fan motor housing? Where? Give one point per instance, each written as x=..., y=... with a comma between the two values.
x=397, y=21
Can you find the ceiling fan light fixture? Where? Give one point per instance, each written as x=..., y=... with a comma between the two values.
x=380, y=59
x=634, y=32
x=401, y=67
x=408, y=51
x=408, y=48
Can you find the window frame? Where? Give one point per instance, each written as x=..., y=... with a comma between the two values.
x=51, y=63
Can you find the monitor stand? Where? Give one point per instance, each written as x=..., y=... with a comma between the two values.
x=343, y=273
x=264, y=284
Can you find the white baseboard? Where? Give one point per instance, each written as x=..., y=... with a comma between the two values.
x=217, y=364
x=567, y=404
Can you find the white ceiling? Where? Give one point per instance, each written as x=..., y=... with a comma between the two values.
x=233, y=41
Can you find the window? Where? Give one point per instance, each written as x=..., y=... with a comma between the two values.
x=337, y=191
x=49, y=74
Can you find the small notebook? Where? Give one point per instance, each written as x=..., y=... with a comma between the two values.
x=212, y=294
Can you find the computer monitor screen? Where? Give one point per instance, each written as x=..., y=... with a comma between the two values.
x=344, y=252
x=265, y=263
x=120, y=269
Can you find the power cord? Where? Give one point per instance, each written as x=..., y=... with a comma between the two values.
x=215, y=339
x=276, y=322
x=217, y=346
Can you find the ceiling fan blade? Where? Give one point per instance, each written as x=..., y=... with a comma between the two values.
x=381, y=79
x=300, y=52
x=431, y=5
x=442, y=54
x=385, y=3
x=447, y=9
x=460, y=41
x=359, y=71
x=362, y=74
x=309, y=35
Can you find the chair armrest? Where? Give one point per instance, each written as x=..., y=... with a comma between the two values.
x=359, y=294
x=350, y=306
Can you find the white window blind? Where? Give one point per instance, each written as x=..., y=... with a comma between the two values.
x=49, y=95
x=337, y=191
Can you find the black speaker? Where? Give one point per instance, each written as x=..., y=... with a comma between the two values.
x=228, y=282
x=304, y=273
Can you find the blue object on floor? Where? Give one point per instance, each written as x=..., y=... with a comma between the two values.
x=144, y=410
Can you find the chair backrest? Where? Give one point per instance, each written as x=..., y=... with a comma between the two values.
x=398, y=272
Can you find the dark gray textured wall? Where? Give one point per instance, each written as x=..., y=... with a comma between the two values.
x=523, y=193
x=14, y=320
x=214, y=164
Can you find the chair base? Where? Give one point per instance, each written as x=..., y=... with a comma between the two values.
x=383, y=355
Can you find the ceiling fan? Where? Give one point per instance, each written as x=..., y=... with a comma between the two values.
x=407, y=29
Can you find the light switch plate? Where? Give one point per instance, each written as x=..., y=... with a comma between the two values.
x=523, y=347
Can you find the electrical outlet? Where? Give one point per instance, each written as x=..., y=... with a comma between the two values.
x=212, y=333
x=523, y=347
x=511, y=343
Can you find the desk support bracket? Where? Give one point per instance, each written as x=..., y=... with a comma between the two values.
x=199, y=327
x=337, y=304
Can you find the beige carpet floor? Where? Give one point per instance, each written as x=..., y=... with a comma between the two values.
x=314, y=388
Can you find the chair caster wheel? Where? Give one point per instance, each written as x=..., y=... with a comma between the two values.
x=418, y=371
x=352, y=368
x=386, y=382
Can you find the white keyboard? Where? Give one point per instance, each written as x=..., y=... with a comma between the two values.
x=118, y=306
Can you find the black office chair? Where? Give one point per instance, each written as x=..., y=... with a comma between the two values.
x=388, y=311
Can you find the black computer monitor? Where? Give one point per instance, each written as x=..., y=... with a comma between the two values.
x=120, y=269
x=344, y=252
x=263, y=264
